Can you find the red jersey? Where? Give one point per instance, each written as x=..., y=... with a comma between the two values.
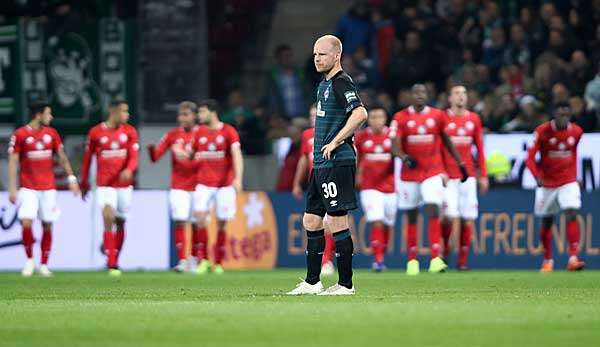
x=420, y=136
x=558, y=154
x=115, y=150
x=375, y=162
x=183, y=169
x=36, y=150
x=307, y=145
x=212, y=149
x=464, y=131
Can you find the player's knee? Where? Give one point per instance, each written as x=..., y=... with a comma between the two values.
x=547, y=222
x=432, y=210
x=467, y=222
x=47, y=226
x=412, y=216
x=108, y=213
x=312, y=222
x=201, y=219
x=377, y=224
x=571, y=214
x=120, y=222
x=26, y=223
x=179, y=224
x=221, y=224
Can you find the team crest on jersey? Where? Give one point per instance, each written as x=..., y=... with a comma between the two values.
x=451, y=125
x=430, y=122
x=461, y=132
x=39, y=145
x=469, y=125
x=220, y=139
x=421, y=130
x=326, y=93
x=114, y=145
x=179, y=141
x=387, y=143
x=552, y=140
x=188, y=147
x=202, y=140
x=29, y=140
x=123, y=138
x=571, y=140
x=47, y=138
x=103, y=139
x=212, y=147
x=368, y=143
x=411, y=124
x=561, y=146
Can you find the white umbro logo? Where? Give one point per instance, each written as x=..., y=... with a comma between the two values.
x=333, y=203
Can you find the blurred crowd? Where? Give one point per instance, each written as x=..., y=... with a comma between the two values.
x=516, y=57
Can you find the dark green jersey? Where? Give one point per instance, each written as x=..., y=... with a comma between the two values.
x=336, y=98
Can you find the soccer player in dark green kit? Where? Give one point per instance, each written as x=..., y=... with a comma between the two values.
x=330, y=191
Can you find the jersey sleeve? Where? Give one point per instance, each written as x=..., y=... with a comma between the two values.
x=233, y=137
x=395, y=128
x=163, y=145
x=532, y=151
x=346, y=94
x=133, y=150
x=478, y=137
x=304, y=144
x=56, y=141
x=90, y=149
x=15, y=143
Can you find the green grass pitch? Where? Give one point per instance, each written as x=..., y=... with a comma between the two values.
x=248, y=309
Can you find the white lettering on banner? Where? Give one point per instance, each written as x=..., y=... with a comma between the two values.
x=78, y=234
x=515, y=146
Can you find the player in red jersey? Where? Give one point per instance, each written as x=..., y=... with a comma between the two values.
x=418, y=134
x=556, y=175
x=303, y=169
x=461, y=205
x=375, y=181
x=183, y=174
x=115, y=145
x=220, y=167
x=32, y=148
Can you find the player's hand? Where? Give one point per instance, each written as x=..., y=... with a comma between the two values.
x=74, y=187
x=410, y=161
x=297, y=192
x=463, y=172
x=484, y=184
x=445, y=179
x=84, y=188
x=179, y=151
x=328, y=149
x=12, y=196
x=150, y=149
x=237, y=185
x=126, y=175
x=539, y=181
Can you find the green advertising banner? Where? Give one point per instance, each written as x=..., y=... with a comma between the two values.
x=78, y=73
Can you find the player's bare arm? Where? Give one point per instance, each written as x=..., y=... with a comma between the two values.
x=356, y=119
x=398, y=151
x=71, y=178
x=238, y=166
x=299, y=177
x=13, y=162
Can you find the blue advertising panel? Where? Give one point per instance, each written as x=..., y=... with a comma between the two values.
x=506, y=234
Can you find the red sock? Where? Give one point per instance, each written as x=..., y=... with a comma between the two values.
x=546, y=237
x=329, y=248
x=411, y=238
x=446, y=233
x=573, y=237
x=466, y=232
x=110, y=248
x=27, y=236
x=377, y=242
x=180, y=242
x=386, y=236
x=220, y=246
x=434, y=236
x=200, y=243
x=46, y=244
x=119, y=239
